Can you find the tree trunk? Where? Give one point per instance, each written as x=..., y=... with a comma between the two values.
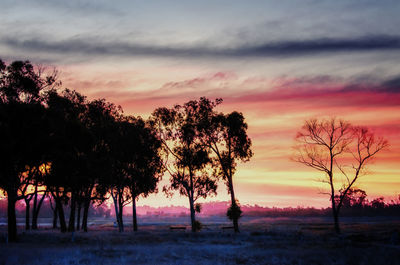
x=71, y=224
x=55, y=215
x=335, y=213
x=34, y=222
x=78, y=219
x=134, y=217
x=27, y=211
x=35, y=213
x=61, y=215
x=337, y=227
x=192, y=213
x=120, y=213
x=116, y=208
x=12, y=218
x=87, y=198
x=233, y=201
x=85, y=214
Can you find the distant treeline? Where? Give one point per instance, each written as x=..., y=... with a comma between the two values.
x=46, y=211
x=366, y=210
x=352, y=207
x=376, y=207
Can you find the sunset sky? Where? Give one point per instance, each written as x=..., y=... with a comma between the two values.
x=277, y=62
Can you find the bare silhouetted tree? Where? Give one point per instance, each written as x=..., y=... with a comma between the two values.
x=339, y=150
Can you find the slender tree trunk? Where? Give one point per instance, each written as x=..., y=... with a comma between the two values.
x=34, y=226
x=78, y=219
x=12, y=218
x=335, y=211
x=27, y=211
x=335, y=214
x=85, y=214
x=190, y=193
x=192, y=213
x=116, y=208
x=134, y=216
x=55, y=215
x=121, y=221
x=87, y=198
x=63, y=224
x=233, y=202
x=71, y=224
x=35, y=213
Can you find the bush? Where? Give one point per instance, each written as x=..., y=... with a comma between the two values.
x=197, y=225
x=197, y=207
x=234, y=212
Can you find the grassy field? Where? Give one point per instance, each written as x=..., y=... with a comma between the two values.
x=261, y=241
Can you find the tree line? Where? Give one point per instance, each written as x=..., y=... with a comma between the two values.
x=56, y=143
x=355, y=205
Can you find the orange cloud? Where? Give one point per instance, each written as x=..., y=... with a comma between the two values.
x=275, y=109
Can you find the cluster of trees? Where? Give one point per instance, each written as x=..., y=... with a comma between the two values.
x=202, y=146
x=59, y=144
x=76, y=151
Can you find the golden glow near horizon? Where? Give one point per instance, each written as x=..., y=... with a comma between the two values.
x=274, y=115
x=269, y=60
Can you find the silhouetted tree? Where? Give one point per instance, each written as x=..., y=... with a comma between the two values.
x=22, y=128
x=328, y=145
x=378, y=203
x=123, y=154
x=145, y=168
x=178, y=130
x=100, y=121
x=106, y=120
x=354, y=198
x=136, y=164
x=71, y=142
x=226, y=136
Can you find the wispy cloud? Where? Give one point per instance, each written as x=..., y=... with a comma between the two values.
x=96, y=47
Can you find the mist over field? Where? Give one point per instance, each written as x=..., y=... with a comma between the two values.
x=262, y=241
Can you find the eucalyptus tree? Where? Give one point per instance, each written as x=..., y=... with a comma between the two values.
x=226, y=136
x=100, y=120
x=22, y=128
x=189, y=169
x=145, y=168
x=117, y=182
x=71, y=143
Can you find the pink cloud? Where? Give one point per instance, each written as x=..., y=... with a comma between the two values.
x=275, y=109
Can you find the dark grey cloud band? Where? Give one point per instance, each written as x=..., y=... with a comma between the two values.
x=90, y=47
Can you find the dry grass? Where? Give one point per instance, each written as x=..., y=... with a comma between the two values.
x=258, y=243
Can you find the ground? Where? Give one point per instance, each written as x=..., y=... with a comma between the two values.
x=261, y=241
